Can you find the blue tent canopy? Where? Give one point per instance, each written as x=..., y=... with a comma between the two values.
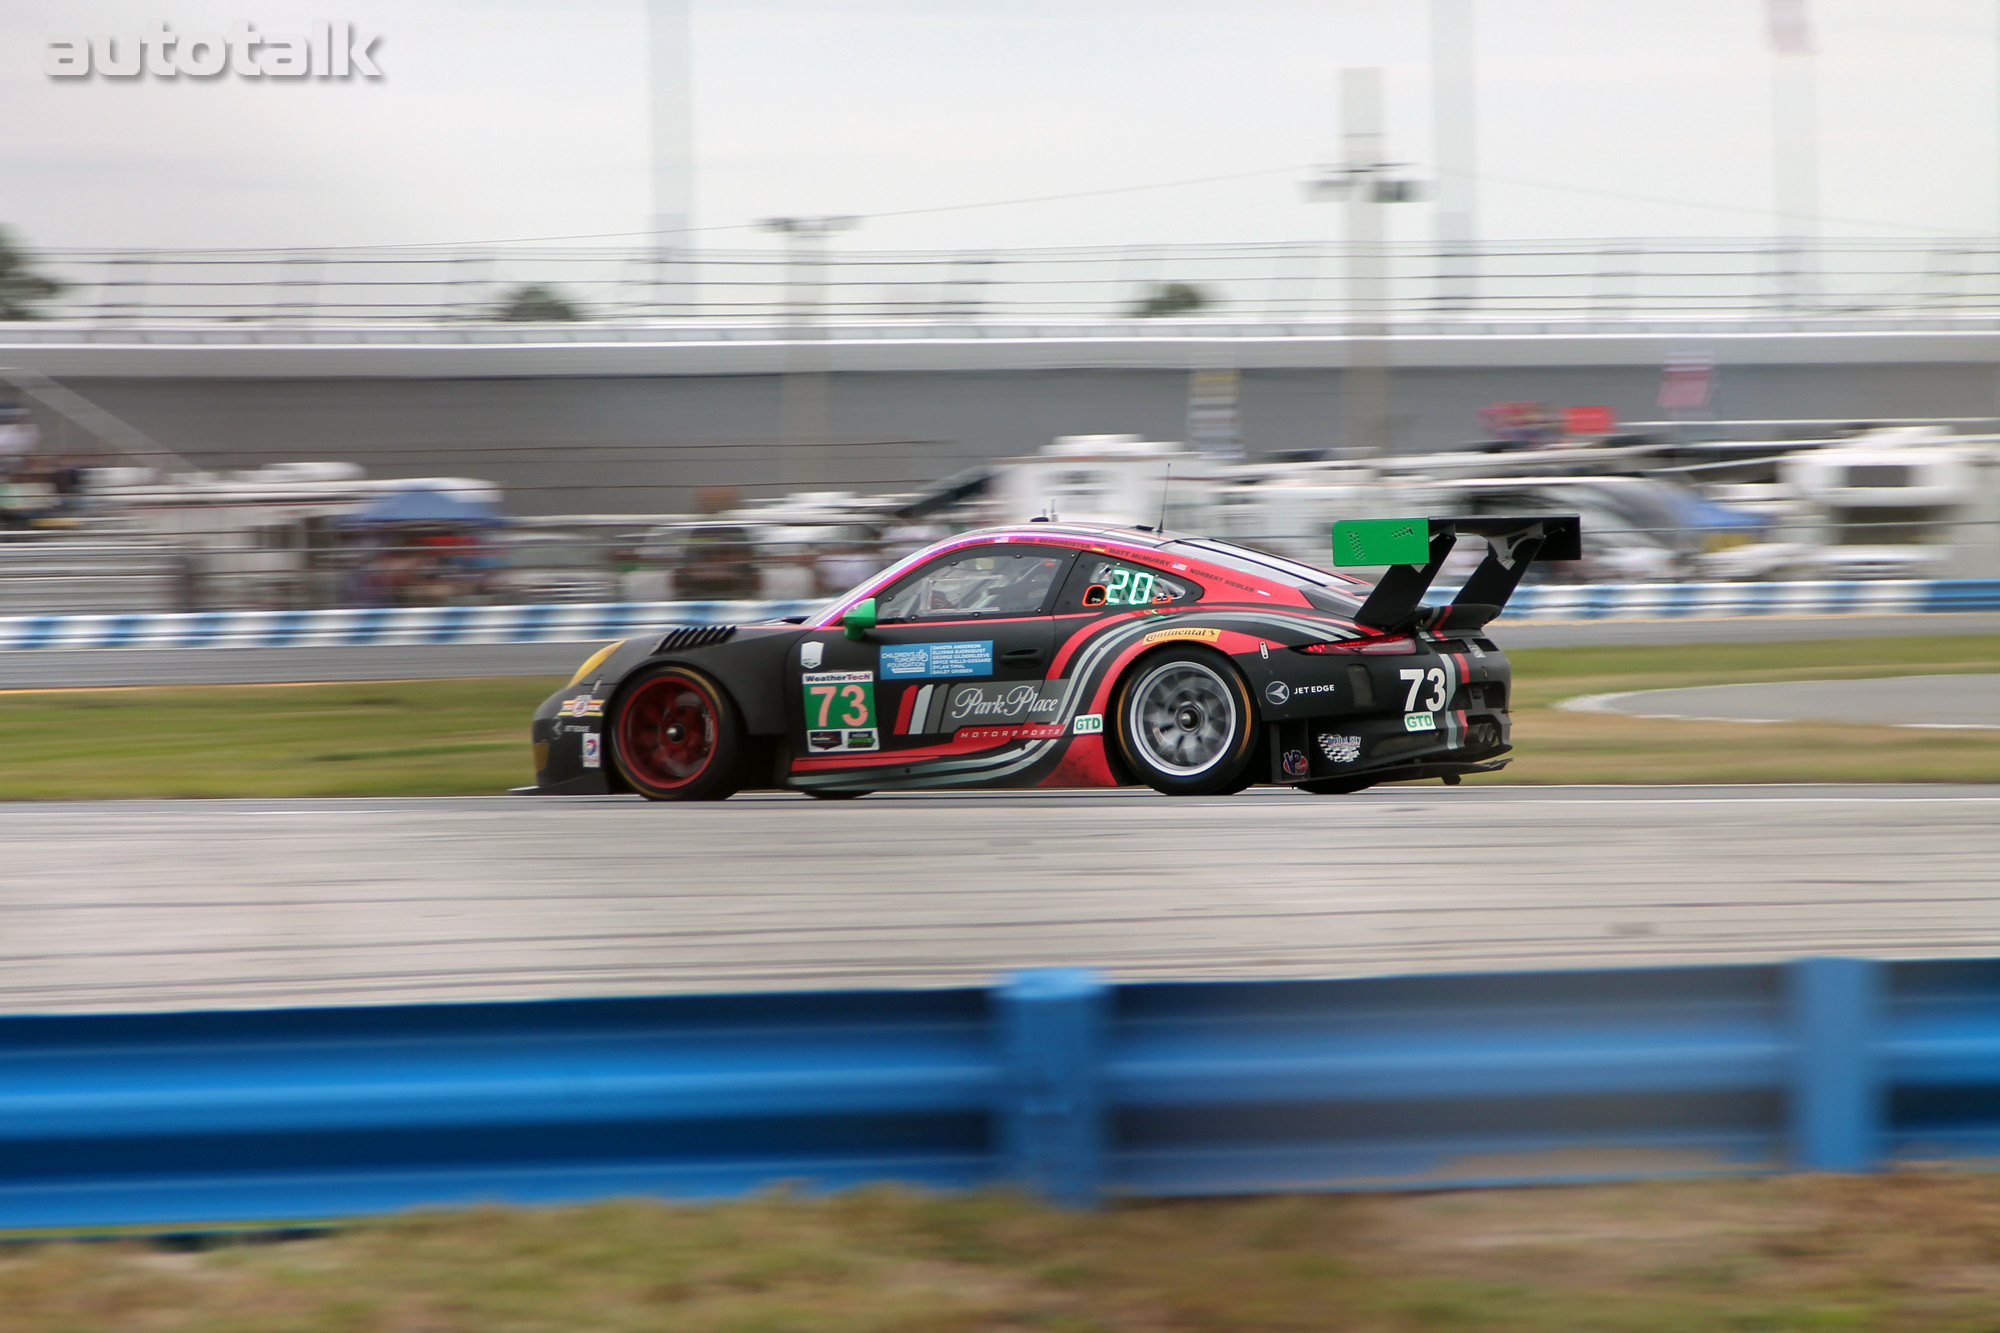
x=421, y=504
x=1703, y=512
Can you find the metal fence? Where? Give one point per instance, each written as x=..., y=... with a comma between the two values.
x=1054, y=1081
x=1605, y=283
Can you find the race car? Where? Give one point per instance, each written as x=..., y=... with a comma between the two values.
x=1049, y=654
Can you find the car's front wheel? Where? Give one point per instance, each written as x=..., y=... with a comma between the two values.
x=1185, y=723
x=677, y=737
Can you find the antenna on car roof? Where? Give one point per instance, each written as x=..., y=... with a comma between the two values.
x=1164, y=483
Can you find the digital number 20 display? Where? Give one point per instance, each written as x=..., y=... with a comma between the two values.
x=1127, y=588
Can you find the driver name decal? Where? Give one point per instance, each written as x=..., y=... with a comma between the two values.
x=928, y=661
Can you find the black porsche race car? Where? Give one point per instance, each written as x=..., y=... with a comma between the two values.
x=1070, y=655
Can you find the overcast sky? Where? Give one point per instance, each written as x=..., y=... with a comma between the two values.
x=503, y=119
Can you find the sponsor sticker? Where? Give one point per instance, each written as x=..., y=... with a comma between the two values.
x=1420, y=722
x=1032, y=731
x=811, y=654
x=931, y=661
x=1295, y=763
x=581, y=706
x=593, y=756
x=1026, y=702
x=840, y=710
x=1277, y=691
x=1340, y=749
x=1183, y=632
x=1088, y=724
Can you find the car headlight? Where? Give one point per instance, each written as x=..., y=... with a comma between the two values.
x=594, y=661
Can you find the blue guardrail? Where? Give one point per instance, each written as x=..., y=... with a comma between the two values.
x=1053, y=1081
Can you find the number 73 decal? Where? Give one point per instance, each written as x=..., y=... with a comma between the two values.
x=840, y=698
x=1418, y=678
x=840, y=711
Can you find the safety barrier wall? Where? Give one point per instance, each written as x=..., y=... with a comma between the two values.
x=1053, y=1081
x=1694, y=601
x=577, y=622
x=586, y=622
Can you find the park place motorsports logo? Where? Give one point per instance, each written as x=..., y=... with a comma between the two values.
x=327, y=51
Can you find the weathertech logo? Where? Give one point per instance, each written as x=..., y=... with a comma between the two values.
x=328, y=51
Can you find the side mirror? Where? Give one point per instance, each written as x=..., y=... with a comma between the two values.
x=859, y=619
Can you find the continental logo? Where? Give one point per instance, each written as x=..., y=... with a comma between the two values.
x=1184, y=632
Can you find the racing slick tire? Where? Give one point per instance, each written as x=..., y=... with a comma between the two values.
x=1335, y=786
x=676, y=736
x=1185, y=723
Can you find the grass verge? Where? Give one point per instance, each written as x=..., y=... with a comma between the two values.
x=382, y=738
x=459, y=737
x=1795, y=1253
x=1554, y=746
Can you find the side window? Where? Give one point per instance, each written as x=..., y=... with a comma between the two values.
x=984, y=581
x=1101, y=584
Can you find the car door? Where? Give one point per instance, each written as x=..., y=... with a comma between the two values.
x=958, y=657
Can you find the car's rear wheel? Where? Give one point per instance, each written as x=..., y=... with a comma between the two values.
x=677, y=737
x=1185, y=723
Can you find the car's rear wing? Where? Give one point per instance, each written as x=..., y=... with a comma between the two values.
x=1415, y=549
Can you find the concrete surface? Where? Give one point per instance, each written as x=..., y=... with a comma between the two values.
x=136, y=905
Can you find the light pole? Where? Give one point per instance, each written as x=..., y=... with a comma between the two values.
x=804, y=411
x=1366, y=182
x=1454, y=131
x=1795, y=143
x=670, y=52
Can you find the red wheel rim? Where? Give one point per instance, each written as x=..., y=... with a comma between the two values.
x=667, y=731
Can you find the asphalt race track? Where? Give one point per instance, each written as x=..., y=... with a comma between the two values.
x=56, y=668
x=190, y=904
x=1947, y=703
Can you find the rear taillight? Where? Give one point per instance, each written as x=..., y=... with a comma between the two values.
x=1379, y=644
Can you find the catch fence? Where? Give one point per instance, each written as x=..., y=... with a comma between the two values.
x=1615, y=283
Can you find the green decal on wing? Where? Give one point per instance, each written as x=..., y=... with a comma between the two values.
x=1382, y=541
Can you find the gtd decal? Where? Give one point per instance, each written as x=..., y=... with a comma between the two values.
x=1088, y=724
